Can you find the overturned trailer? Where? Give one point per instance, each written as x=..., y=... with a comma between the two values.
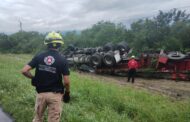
x=176, y=64
x=113, y=59
x=107, y=55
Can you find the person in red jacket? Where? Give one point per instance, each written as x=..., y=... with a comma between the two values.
x=132, y=66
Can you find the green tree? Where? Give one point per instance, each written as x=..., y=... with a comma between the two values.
x=5, y=43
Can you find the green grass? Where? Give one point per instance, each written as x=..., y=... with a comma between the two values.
x=91, y=100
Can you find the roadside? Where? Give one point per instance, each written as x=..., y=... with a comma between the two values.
x=4, y=117
x=177, y=90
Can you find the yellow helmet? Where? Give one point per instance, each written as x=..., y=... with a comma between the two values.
x=132, y=56
x=53, y=38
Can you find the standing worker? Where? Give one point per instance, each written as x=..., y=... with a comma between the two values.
x=132, y=66
x=50, y=67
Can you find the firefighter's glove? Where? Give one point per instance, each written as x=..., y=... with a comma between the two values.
x=66, y=97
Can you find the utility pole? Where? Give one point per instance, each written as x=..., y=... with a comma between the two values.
x=20, y=23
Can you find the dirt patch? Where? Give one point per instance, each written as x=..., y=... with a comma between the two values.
x=178, y=90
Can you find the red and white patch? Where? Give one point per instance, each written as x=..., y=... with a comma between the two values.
x=49, y=60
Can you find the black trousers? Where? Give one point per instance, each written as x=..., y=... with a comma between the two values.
x=131, y=74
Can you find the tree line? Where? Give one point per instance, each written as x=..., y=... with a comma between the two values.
x=168, y=30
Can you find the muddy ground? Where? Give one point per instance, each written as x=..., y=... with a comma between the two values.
x=177, y=90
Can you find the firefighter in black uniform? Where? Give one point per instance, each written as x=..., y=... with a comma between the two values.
x=50, y=66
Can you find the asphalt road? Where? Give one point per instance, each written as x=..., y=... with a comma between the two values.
x=4, y=117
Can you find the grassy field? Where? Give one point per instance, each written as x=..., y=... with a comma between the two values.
x=91, y=100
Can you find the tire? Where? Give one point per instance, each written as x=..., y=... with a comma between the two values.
x=109, y=59
x=176, y=55
x=99, y=49
x=82, y=59
x=90, y=51
x=188, y=54
x=71, y=47
x=122, y=47
x=87, y=59
x=96, y=60
x=86, y=68
x=108, y=47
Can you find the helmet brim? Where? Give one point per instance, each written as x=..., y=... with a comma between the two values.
x=54, y=41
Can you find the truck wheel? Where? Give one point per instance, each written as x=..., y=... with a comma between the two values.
x=109, y=60
x=96, y=60
x=176, y=55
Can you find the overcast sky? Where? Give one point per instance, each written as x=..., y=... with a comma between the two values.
x=65, y=15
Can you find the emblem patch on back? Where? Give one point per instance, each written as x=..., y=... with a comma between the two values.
x=49, y=60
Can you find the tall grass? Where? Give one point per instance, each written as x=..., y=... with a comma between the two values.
x=91, y=99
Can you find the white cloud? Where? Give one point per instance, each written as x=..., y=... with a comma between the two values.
x=47, y=15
